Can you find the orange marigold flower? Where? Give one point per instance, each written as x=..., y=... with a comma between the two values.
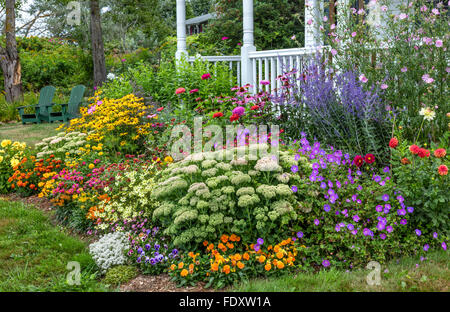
x=173, y=267
x=180, y=265
x=262, y=259
x=184, y=272
x=224, y=238
x=440, y=152
x=279, y=255
x=214, y=266
x=230, y=245
x=246, y=256
x=267, y=267
x=276, y=248
x=237, y=257
x=233, y=238
x=205, y=243
x=280, y=265
x=240, y=265
x=226, y=269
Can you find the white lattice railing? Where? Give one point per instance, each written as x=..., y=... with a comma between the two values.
x=268, y=65
x=234, y=64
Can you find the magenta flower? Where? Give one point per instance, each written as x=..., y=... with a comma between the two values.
x=260, y=241
x=326, y=263
x=363, y=78
x=239, y=111
x=225, y=38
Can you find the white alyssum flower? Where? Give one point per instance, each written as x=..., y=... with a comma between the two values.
x=109, y=250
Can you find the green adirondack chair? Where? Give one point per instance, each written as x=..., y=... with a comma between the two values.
x=71, y=109
x=40, y=110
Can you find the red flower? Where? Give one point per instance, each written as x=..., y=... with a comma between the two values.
x=180, y=90
x=206, y=76
x=160, y=109
x=254, y=107
x=234, y=117
x=193, y=91
x=198, y=99
x=414, y=149
x=443, y=170
x=358, y=161
x=440, y=152
x=218, y=114
x=405, y=161
x=369, y=158
x=423, y=153
x=393, y=143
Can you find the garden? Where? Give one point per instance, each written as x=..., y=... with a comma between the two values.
x=351, y=169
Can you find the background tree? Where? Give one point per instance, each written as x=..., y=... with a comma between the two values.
x=98, y=51
x=9, y=57
x=276, y=21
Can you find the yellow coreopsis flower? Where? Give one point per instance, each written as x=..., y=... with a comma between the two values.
x=5, y=143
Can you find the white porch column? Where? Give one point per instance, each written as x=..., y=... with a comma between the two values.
x=181, y=30
x=342, y=19
x=248, y=42
x=313, y=20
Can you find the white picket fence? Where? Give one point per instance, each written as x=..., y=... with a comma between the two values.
x=266, y=65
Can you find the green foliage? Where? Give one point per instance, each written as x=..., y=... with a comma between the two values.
x=55, y=62
x=120, y=274
x=419, y=180
x=201, y=198
x=409, y=43
x=276, y=21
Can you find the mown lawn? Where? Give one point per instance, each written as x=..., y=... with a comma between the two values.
x=28, y=133
x=431, y=275
x=34, y=253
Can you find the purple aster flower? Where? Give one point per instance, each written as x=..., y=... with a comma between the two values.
x=256, y=247
x=383, y=236
x=418, y=232
x=426, y=247
x=260, y=241
x=377, y=178
x=444, y=246
x=294, y=168
x=326, y=207
x=337, y=228
x=354, y=232
x=316, y=222
x=389, y=228
x=403, y=222
x=379, y=208
x=326, y=263
x=299, y=234
x=385, y=197
x=435, y=235
x=356, y=218
x=410, y=209
x=294, y=188
x=400, y=198
x=381, y=226
x=386, y=169
x=351, y=227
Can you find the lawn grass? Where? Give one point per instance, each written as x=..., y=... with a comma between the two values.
x=431, y=275
x=34, y=253
x=29, y=133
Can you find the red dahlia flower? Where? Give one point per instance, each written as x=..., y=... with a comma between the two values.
x=234, y=117
x=440, y=152
x=358, y=161
x=414, y=149
x=218, y=114
x=393, y=143
x=369, y=158
x=443, y=170
x=423, y=153
x=254, y=107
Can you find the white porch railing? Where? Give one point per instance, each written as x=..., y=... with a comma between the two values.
x=234, y=64
x=269, y=65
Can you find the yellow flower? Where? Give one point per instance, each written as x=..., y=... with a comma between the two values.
x=5, y=143
x=1, y=159
x=168, y=159
x=91, y=166
x=14, y=162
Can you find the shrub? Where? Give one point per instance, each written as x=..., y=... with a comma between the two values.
x=335, y=109
x=62, y=146
x=120, y=274
x=120, y=124
x=11, y=154
x=404, y=53
x=201, y=197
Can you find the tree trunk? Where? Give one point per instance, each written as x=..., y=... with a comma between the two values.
x=98, y=52
x=9, y=58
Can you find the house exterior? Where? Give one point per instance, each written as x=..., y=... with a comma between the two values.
x=197, y=24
